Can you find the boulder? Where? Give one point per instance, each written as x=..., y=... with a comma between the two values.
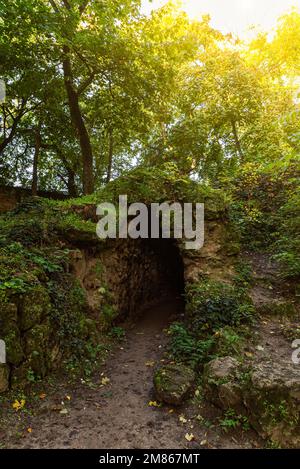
x=221, y=385
x=270, y=397
x=14, y=348
x=273, y=402
x=37, y=349
x=36, y=306
x=172, y=383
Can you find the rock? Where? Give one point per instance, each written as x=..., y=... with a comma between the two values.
x=20, y=374
x=270, y=397
x=221, y=368
x=8, y=315
x=221, y=385
x=13, y=342
x=273, y=402
x=4, y=377
x=172, y=383
x=35, y=307
x=37, y=348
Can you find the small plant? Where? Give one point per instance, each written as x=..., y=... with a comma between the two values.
x=228, y=342
x=117, y=333
x=232, y=421
x=108, y=315
x=185, y=348
x=243, y=277
x=30, y=376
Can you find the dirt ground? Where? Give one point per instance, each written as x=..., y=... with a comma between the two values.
x=117, y=414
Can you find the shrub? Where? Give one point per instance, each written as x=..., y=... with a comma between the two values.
x=212, y=305
x=187, y=349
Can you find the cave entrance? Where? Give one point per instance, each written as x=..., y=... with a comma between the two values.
x=162, y=292
x=170, y=265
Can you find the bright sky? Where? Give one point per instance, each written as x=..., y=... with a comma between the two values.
x=235, y=16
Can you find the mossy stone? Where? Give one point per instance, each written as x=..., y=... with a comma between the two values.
x=37, y=348
x=14, y=348
x=172, y=383
x=35, y=306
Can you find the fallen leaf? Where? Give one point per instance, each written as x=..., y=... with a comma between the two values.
x=29, y=430
x=249, y=354
x=260, y=348
x=189, y=437
x=43, y=395
x=182, y=419
x=154, y=404
x=105, y=381
x=17, y=405
x=203, y=442
x=171, y=411
x=197, y=393
x=150, y=363
x=64, y=411
x=68, y=397
x=200, y=418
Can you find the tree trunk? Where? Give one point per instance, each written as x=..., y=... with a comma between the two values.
x=79, y=125
x=7, y=140
x=37, y=149
x=110, y=155
x=72, y=188
x=236, y=140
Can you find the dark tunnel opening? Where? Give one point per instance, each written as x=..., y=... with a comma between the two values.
x=161, y=297
x=171, y=265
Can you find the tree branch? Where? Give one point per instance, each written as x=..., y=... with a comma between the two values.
x=82, y=87
x=54, y=6
x=83, y=6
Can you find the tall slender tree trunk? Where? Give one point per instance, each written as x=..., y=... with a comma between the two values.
x=237, y=140
x=72, y=188
x=110, y=154
x=37, y=150
x=79, y=125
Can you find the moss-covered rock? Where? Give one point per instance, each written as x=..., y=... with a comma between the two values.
x=20, y=375
x=35, y=306
x=8, y=314
x=14, y=347
x=172, y=383
x=37, y=348
x=220, y=383
x=270, y=396
x=273, y=402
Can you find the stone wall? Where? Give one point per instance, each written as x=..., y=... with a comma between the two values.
x=11, y=196
x=128, y=274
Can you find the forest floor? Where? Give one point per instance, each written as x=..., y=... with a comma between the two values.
x=113, y=411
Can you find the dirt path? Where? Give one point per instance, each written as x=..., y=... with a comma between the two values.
x=117, y=414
